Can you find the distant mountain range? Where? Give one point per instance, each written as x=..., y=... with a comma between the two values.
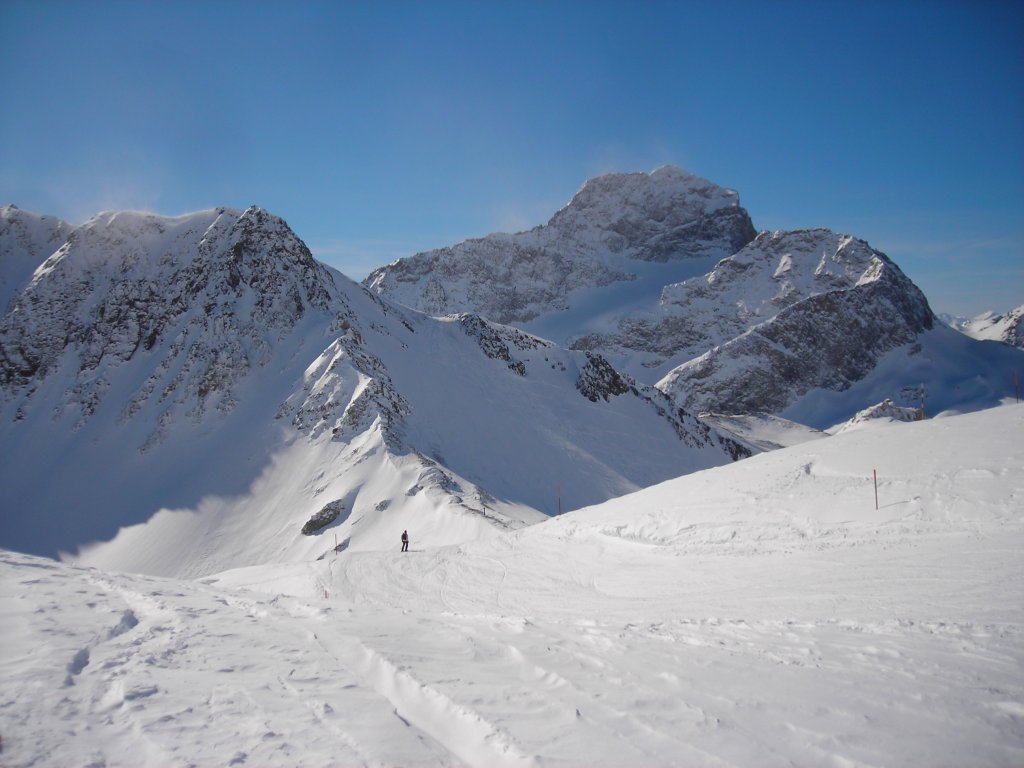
x=992, y=326
x=203, y=379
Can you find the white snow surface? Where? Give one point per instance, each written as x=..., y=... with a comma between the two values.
x=764, y=613
x=993, y=326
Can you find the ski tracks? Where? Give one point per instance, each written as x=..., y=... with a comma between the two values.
x=458, y=729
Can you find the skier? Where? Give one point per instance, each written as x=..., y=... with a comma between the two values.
x=405, y=541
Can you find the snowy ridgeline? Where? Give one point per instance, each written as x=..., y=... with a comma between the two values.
x=992, y=326
x=197, y=376
x=764, y=613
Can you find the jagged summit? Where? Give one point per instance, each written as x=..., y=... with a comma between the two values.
x=793, y=312
x=775, y=271
x=26, y=239
x=613, y=226
x=666, y=214
x=212, y=290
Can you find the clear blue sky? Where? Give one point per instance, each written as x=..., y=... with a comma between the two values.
x=377, y=129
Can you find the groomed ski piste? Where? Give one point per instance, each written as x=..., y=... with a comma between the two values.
x=763, y=613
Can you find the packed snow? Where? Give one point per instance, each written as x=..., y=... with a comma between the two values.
x=764, y=613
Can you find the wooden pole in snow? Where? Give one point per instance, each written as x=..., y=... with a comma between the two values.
x=875, y=473
x=558, y=492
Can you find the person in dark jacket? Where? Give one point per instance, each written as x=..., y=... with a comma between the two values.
x=405, y=541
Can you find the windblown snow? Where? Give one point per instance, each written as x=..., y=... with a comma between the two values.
x=763, y=613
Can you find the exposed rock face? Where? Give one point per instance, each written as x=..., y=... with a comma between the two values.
x=886, y=409
x=599, y=381
x=327, y=515
x=662, y=216
x=494, y=341
x=826, y=340
x=770, y=274
x=209, y=295
x=26, y=240
x=346, y=390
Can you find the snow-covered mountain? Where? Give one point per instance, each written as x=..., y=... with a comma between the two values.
x=1007, y=327
x=811, y=324
x=198, y=378
x=615, y=228
x=775, y=273
x=26, y=239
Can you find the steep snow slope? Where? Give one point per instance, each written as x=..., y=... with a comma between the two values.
x=209, y=367
x=763, y=613
x=26, y=240
x=614, y=228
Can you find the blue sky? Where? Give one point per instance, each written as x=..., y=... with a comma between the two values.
x=378, y=129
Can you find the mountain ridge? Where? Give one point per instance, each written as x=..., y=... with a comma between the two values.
x=666, y=215
x=702, y=329
x=188, y=376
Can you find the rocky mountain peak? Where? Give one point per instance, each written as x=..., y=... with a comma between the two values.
x=658, y=216
x=26, y=239
x=208, y=296
x=665, y=216
x=667, y=191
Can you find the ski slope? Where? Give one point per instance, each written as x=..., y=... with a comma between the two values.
x=763, y=613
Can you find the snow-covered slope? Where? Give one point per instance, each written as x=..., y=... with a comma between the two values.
x=207, y=371
x=26, y=240
x=763, y=613
x=991, y=326
x=615, y=228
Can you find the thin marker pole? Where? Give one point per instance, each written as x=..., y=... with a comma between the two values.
x=875, y=473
